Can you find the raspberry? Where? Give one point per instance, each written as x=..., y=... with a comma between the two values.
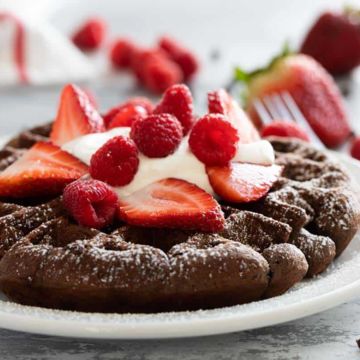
x=177, y=100
x=116, y=162
x=142, y=56
x=90, y=202
x=142, y=101
x=136, y=101
x=182, y=56
x=155, y=70
x=284, y=129
x=160, y=73
x=157, y=136
x=121, y=53
x=126, y=115
x=90, y=35
x=213, y=140
x=355, y=148
x=110, y=114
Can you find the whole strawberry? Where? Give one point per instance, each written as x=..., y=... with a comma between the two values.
x=334, y=41
x=312, y=89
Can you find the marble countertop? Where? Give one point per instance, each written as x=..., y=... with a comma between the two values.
x=241, y=32
x=329, y=335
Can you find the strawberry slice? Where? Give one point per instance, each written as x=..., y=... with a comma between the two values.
x=172, y=203
x=240, y=182
x=44, y=169
x=221, y=102
x=76, y=116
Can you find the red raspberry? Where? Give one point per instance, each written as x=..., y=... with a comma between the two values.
x=121, y=53
x=159, y=74
x=177, y=100
x=126, y=115
x=116, y=162
x=157, y=136
x=284, y=129
x=136, y=101
x=142, y=101
x=90, y=35
x=142, y=56
x=213, y=140
x=182, y=56
x=355, y=148
x=90, y=202
x=110, y=114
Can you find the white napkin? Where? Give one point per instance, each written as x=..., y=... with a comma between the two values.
x=33, y=51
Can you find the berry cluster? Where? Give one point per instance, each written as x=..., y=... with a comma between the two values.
x=156, y=68
x=155, y=132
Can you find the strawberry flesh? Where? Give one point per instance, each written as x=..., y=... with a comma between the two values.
x=222, y=103
x=240, y=182
x=172, y=203
x=76, y=116
x=43, y=170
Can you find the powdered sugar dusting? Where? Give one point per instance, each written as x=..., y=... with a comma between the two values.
x=337, y=284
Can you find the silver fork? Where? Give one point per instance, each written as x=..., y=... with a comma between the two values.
x=281, y=106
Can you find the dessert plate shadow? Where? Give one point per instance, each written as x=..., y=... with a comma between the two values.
x=340, y=283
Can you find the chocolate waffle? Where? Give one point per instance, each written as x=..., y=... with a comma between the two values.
x=305, y=221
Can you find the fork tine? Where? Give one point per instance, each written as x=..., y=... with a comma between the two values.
x=261, y=111
x=299, y=118
x=282, y=108
x=269, y=103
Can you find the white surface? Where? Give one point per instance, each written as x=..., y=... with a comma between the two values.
x=337, y=285
x=50, y=57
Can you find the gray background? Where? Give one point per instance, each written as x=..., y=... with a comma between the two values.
x=239, y=32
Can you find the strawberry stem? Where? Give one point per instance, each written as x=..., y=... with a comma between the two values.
x=245, y=77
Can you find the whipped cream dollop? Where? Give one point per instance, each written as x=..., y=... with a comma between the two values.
x=182, y=164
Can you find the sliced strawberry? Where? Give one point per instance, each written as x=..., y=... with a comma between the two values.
x=172, y=203
x=76, y=116
x=222, y=103
x=43, y=170
x=240, y=182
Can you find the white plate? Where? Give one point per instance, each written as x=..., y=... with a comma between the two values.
x=338, y=284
